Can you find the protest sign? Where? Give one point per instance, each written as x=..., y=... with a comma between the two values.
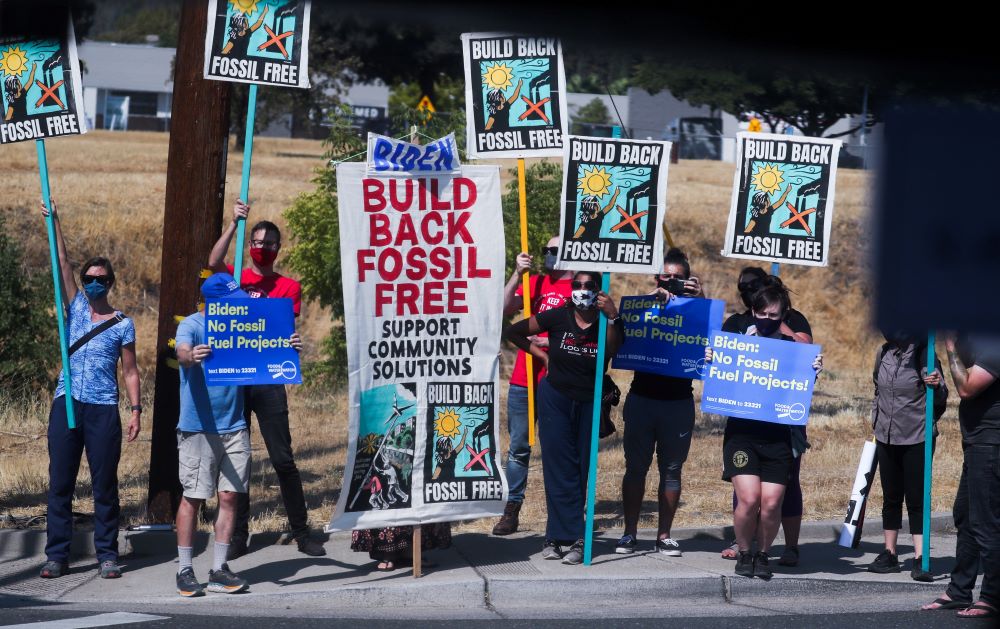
x=250, y=341
x=391, y=156
x=751, y=377
x=42, y=91
x=782, y=204
x=614, y=199
x=423, y=275
x=667, y=338
x=515, y=95
x=263, y=42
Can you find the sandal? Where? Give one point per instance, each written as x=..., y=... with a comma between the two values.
x=943, y=603
x=385, y=566
x=730, y=551
x=988, y=611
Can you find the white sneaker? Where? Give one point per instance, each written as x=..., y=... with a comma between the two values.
x=668, y=547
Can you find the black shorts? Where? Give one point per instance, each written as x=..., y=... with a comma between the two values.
x=772, y=461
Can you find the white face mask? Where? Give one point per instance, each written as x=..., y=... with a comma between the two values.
x=584, y=299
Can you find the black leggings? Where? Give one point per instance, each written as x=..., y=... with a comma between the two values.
x=901, y=469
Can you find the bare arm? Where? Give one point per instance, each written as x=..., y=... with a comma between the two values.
x=188, y=356
x=614, y=334
x=969, y=381
x=518, y=334
x=130, y=372
x=65, y=268
x=512, y=303
x=217, y=257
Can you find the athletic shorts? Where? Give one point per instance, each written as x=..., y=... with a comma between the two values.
x=772, y=461
x=208, y=463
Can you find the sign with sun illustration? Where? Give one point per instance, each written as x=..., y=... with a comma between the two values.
x=40, y=95
x=258, y=41
x=515, y=95
x=614, y=200
x=782, y=205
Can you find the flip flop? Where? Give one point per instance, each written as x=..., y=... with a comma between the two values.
x=385, y=566
x=991, y=612
x=944, y=603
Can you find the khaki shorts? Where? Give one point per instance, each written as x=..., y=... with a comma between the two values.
x=208, y=463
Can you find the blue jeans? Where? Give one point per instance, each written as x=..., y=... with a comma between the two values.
x=519, y=452
x=977, y=518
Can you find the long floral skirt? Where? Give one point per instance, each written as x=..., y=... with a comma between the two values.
x=395, y=543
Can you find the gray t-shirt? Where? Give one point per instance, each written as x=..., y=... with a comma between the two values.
x=980, y=416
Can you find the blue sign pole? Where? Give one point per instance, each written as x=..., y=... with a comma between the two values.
x=43, y=174
x=775, y=269
x=241, y=227
x=928, y=454
x=602, y=328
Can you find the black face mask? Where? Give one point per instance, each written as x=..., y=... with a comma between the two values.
x=766, y=327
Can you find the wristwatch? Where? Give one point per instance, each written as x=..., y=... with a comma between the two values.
x=615, y=320
x=137, y=407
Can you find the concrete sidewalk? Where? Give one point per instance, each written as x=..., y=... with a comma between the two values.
x=489, y=577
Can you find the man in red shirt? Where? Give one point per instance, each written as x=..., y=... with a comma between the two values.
x=268, y=402
x=547, y=291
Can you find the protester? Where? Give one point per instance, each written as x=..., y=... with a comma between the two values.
x=795, y=325
x=98, y=336
x=898, y=418
x=659, y=414
x=546, y=291
x=268, y=401
x=974, y=362
x=392, y=546
x=759, y=456
x=565, y=404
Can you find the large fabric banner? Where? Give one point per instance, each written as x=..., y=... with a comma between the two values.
x=667, y=338
x=614, y=200
x=42, y=91
x=751, y=377
x=782, y=207
x=258, y=41
x=515, y=95
x=423, y=273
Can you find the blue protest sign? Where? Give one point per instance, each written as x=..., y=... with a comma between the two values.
x=667, y=338
x=390, y=156
x=760, y=378
x=250, y=341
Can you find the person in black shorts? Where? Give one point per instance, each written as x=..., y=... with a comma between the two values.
x=565, y=404
x=758, y=456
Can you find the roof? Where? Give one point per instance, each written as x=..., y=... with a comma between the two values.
x=576, y=100
x=131, y=67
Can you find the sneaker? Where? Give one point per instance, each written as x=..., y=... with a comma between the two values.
x=744, y=563
x=54, y=569
x=575, y=554
x=626, y=545
x=225, y=581
x=309, y=546
x=762, y=566
x=552, y=550
x=110, y=569
x=919, y=574
x=668, y=547
x=885, y=563
x=789, y=557
x=509, y=520
x=187, y=584
x=237, y=548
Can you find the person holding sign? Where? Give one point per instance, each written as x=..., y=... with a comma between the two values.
x=268, y=402
x=659, y=414
x=99, y=336
x=759, y=456
x=547, y=291
x=565, y=404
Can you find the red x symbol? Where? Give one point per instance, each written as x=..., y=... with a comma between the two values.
x=630, y=219
x=800, y=217
x=275, y=39
x=476, y=457
x=536, y=108
x=49, y=92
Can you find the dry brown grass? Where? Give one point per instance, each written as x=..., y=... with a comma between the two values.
x=111, y=186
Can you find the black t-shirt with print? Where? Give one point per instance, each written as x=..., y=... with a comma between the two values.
x=572, y=353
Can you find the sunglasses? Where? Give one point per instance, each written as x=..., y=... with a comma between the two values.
x=264, y=244
x=550, y=251
x=588, y=285
x=103, y=280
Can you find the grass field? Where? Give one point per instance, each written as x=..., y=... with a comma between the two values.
x=110, y=189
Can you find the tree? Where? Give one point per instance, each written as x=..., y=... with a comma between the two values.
x=134, y=28
x=543, y=187
x=594, y=112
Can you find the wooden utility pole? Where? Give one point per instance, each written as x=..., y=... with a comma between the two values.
x=192, y=219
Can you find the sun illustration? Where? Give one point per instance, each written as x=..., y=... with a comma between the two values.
x=13, y=61
x=369, y=444
x=595, y=181
x=246, y=7
x=768, y=179
x=498, y=76
x=447, y=422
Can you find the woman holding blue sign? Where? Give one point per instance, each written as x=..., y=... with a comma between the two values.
x=659, y=414
x=759, y=456
x=565, y=403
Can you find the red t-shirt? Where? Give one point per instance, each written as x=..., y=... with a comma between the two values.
x=549, y=295
x=276, y=285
